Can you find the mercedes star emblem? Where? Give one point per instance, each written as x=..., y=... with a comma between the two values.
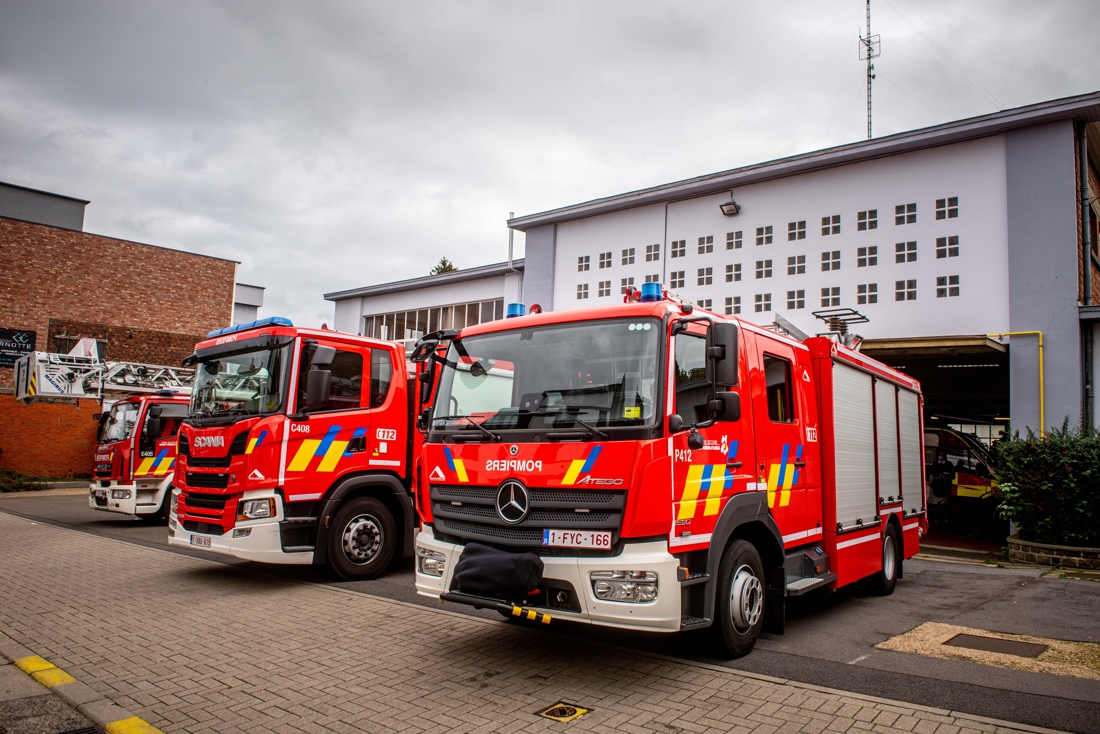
x=513, y=450
x=513, y=502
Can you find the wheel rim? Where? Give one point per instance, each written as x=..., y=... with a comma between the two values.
x=889, y=557
x=362, y=539
x=746, y=599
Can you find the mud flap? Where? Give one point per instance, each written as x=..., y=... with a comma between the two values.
x=775, y=601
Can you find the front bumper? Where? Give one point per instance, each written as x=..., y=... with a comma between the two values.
x=263, y=543
x=662, y=615
x=144, y=497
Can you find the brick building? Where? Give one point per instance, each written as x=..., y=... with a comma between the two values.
x=142, y=303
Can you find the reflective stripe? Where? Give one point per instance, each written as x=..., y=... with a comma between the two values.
x=857, y=541
x=803, y=534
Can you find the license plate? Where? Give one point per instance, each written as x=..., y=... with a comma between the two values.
x=200, y=541
x=577, y=538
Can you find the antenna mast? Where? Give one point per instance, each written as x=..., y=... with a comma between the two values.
x=869, y=48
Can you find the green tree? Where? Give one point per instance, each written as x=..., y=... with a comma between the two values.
x=443, y=266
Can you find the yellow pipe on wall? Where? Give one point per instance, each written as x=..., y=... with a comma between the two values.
x=1042, y=399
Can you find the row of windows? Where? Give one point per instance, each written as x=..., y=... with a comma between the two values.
x=947, y=286
x=652, y=254
x=411, y=325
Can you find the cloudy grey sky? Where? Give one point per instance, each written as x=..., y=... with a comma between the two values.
x=328, y=145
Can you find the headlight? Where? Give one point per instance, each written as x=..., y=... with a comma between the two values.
x=174, y=504
x=255, y=509
x=120, y=494
x=628, y=586
x=430, y=563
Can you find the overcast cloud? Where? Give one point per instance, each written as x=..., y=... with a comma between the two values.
x=329, y=145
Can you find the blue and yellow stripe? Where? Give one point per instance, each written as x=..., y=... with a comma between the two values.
x=581, y=466
x=455, y=465
x=782, y=477
x=255, y=442
x=158, y=465
x=327, y=447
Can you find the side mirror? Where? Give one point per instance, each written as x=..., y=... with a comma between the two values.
x=425, y=380
x=423, y=418
x=423, y=350
x=722, y=367
x=155, y=411
x=726, y=406
x=675, y=423
x=318, y=388
x=153, y=428
x=322, y=357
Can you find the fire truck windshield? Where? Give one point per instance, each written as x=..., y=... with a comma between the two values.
x=603, y=373
x=248, y=383
x=119, y=424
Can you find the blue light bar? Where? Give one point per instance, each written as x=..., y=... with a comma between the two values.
x=514, y=309
x=651, y=292
x=269, y=321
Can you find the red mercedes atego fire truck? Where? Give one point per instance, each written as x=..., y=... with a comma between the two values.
x=671, y=468
x=297, y=449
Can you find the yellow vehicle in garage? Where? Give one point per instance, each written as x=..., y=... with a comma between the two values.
x=973, y=464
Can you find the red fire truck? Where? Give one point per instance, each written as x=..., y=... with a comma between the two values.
x=671, y=468
x=297, y=449
x=135, y=453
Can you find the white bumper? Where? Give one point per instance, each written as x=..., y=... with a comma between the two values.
x=144, y=496
x=662, y=615
x=263, y=543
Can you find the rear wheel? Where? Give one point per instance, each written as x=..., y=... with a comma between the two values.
x=740, y=604
x=362, y=539
x=887, y=578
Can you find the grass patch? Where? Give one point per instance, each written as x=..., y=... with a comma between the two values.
x=12, y=481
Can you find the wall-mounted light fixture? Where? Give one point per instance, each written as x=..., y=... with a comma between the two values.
x=730, y=208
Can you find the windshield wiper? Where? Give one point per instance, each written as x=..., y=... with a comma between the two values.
x=492, y=436
x=591, y=429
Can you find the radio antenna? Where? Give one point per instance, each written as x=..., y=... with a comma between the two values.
x=869, y=48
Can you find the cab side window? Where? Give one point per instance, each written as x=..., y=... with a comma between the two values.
x=347, y=381
x=692, y=388
x=777, y=378
x=381, y=375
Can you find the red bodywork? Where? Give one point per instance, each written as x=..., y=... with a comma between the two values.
x=124, y=461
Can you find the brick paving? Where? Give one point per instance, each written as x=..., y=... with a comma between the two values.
x=196, y=646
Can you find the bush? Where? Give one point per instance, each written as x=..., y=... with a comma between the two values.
x=10, y=481
x=1050, y=487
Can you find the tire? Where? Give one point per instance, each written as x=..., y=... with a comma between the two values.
x=886, y=579
x=362, y=539
x=161, y=515
x=739, y=607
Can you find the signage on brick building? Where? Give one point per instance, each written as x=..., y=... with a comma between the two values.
x=14, y=343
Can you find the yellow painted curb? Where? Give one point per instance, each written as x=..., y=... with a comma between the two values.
x=53, y=677
x=33, y=664
x=132, y=725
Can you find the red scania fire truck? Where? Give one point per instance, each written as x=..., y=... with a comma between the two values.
x=297, y=449
x=672, y=469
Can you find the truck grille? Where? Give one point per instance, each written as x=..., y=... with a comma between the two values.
x=206, y=528
x=207, y=481
x=469, y=513
x=205, y=501
x=216, y=462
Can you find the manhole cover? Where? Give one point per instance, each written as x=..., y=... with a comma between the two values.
x=562, y=711
x=995, y=644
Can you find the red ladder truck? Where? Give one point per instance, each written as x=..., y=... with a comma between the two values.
x=672, y=469
x=298, y=449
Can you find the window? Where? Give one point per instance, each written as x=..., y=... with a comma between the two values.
x=947, y=246
x=830, y=260
x=582, y=291
x=905, y=252
x=796, y=265
x=867, y=257
x=764, y=235
x=381, y=375
x=703, y=303
x=605, y=260
x=796, y=231
x=830, y=225
x=347, y=382
x=706, y=244
x=408, y=326
x=733, y=240
x=733, y=305
x=706, y=276
x=867, y=293
x=763, y=268
x=692, y=388
x=763, y=302
x=582, y=263
x=655, y=278
x=947, y=286
x=604, y=288
x=905, y=214
x=947, y=208
x=867, y=220
x=733, y=273
x=676, y=279
x=830, y=297
x=796, y=299
x=905, y=290
x=652, y=253
x=777, y=387
x=679, y=248
x=624, y=284
x=628, y=256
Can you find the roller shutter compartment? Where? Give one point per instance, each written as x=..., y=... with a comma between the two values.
x=911, y=459
x=854, y=446
x=886, y=419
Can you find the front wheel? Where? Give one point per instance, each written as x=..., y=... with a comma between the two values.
x=362, y=539
x=887, y=578
x=740, y=602
x=162, y=512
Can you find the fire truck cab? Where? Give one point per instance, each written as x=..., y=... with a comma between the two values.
x=297, y=449
x=135, y=453
x=672, y=469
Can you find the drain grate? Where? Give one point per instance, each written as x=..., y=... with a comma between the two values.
x=562, y=711
x=995, y=644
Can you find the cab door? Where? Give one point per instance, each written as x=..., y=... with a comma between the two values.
x=704, y=478
x=785, y=419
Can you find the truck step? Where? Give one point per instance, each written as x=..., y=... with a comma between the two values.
x=298, y=549
x=802, y=586
x=698, y=578
x=299, y=519
x=692, y=623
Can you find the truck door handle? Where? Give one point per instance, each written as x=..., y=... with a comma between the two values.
x=734, y=464
x=357, y=445
x=800, y=464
